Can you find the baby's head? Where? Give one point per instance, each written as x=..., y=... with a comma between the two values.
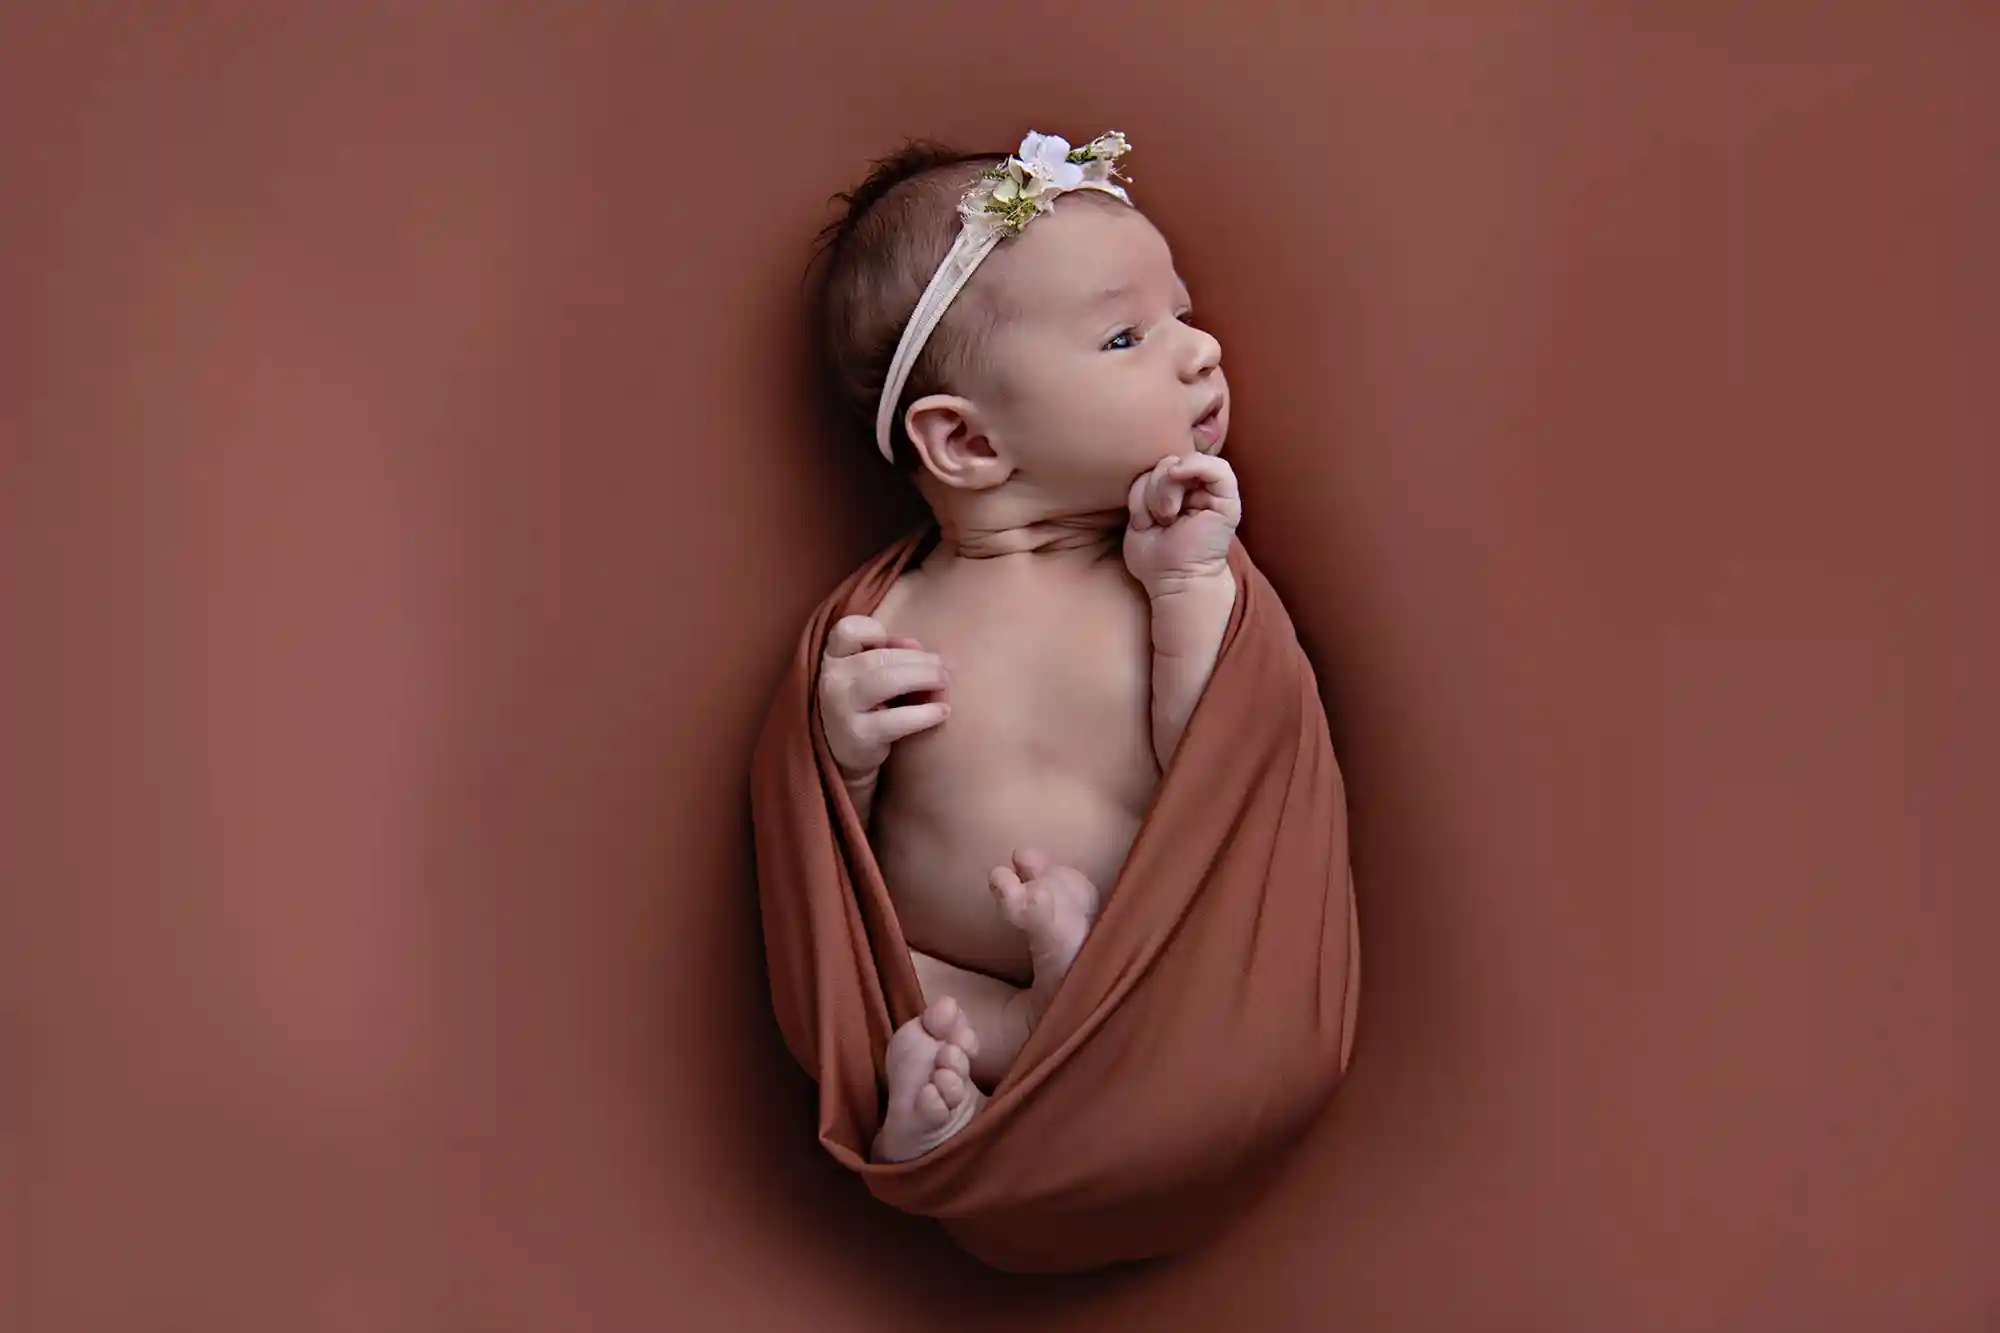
x=1067, y=364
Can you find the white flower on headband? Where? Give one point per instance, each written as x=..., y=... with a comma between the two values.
x=1013, y=193
x=1045, y=157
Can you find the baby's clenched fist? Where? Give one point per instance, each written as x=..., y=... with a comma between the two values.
x=1182, y=515
x=864, y=680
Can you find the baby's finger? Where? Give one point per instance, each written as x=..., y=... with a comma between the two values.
x=1226, y=505
x=886, y=726
x=854, y=634
x=1163, y=495
x=1135, y=502
x=891, y=673
x=1214, y=475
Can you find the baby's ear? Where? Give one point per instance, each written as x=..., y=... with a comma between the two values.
x=952, y=444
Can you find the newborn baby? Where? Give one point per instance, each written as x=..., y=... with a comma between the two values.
x=1003, y=718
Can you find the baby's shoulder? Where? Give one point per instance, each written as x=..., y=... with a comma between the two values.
x=904, y=599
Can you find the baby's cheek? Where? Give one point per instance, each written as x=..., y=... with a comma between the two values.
x=1140, y=427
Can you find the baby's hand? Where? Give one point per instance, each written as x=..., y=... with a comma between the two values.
x=865, y=670
x=1183, y=514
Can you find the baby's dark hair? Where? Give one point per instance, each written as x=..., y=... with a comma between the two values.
x=875, y=261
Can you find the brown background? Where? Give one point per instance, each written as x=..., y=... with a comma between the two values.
x=408, y=498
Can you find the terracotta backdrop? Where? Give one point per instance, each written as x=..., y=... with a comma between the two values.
x=408, y=496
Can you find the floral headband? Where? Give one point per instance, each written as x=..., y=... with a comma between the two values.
x=1006, y=199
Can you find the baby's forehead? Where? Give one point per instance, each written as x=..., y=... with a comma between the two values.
x=1077, y=256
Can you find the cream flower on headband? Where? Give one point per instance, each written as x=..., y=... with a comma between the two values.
x=1013, y=193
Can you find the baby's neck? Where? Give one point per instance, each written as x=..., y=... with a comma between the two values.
x=984, y=531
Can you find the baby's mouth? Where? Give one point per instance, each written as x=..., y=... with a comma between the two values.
x=1207, y=426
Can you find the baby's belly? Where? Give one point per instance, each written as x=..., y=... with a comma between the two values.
x=937, y=853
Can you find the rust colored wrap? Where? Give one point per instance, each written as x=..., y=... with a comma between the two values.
x=1205, y=1022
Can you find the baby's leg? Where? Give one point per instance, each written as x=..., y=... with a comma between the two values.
x=1055, y=907
x=931, y=1094
x=999, y=1012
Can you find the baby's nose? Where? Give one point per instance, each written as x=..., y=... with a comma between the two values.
x=1205, y=354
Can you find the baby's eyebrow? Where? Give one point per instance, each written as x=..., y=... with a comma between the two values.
x=1117, y=291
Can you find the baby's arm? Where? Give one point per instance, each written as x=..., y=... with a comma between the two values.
x=1188, y=623
x=1184, y=514
x=1001, y=1015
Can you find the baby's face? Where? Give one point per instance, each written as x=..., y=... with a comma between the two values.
x=1096, y=371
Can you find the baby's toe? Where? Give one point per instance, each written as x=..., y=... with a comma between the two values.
x=929, y=1106
x=950, y=1089
x=1031, y=862
x=941, y=1018
x=1012, y=896
x=954, y=1057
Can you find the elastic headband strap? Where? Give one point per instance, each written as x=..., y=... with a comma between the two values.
x=966, y=253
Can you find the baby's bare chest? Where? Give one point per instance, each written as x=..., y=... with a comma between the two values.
x=1054, y=673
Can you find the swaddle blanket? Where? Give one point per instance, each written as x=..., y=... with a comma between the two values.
x=1203, y=1025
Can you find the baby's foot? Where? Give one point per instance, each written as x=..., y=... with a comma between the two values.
x=931, y=1093
x=1054, y=906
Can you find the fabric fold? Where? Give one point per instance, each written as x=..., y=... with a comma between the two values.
x=1205, y=1022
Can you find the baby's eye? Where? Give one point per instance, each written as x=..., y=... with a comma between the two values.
x=1185, y=317
x=1121, y=340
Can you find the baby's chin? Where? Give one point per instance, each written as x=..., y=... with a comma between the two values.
x=1198, y=445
